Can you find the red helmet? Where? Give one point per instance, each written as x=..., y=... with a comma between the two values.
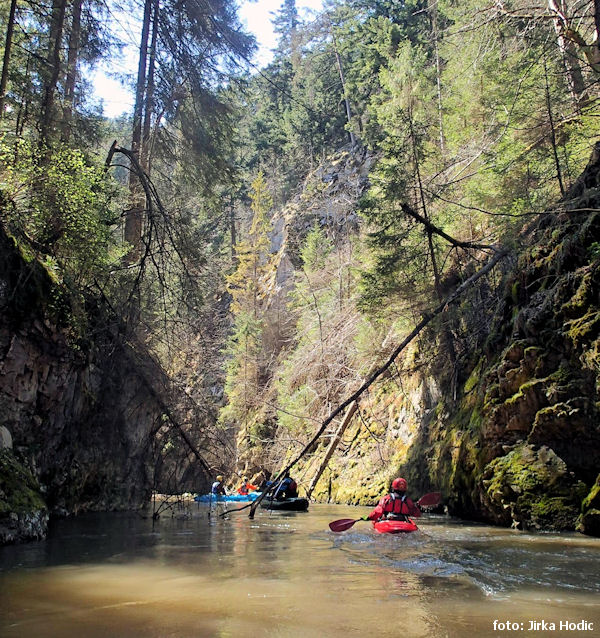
x=399, y=485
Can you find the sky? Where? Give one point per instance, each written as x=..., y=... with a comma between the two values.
x=255, y=16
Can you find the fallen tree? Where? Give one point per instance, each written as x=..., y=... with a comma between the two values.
x=499, y=254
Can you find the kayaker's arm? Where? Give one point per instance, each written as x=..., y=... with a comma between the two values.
x=378, y=512
x=413, y=510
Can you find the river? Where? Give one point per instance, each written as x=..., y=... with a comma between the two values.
x=286, y=575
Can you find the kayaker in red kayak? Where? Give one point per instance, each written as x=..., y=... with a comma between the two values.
x=395, y=506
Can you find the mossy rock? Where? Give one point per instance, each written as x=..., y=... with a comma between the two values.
x=584, y=329
x=531, y=487
x=584, y=296
x=589, y=521
x=23, y=512
x=474, y=378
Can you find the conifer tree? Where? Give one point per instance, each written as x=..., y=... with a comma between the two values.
x=249, y=286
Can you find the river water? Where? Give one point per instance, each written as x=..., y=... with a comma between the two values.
x=286, y=575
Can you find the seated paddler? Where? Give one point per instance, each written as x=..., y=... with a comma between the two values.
x=288, y=488
x=395, y=506
x=246, y=487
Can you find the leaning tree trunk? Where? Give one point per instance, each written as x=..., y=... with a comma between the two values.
x=335, y=441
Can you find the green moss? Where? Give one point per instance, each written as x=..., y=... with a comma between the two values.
x=19, y=491
x=473, y=379
x=592, y=500
x=532, y=352
x=594, y=251
x=585, y=328
x=558, y=377
x=582, y=298
x=492, y=395
x=514, y=293
x=533, y=487
x=524, y=389
x=549, y=508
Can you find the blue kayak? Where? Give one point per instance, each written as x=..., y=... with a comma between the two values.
x=227, y=498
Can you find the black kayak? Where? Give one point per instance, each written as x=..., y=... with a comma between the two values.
x=287, y=504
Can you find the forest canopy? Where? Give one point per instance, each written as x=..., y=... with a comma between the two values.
x=457, y=121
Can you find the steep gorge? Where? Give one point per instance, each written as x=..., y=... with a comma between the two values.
x=512, y=436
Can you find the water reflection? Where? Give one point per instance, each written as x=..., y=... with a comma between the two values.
x=286, y=575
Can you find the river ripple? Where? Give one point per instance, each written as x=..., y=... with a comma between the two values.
x=285, y=575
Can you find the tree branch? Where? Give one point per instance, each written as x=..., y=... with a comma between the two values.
x=411, y=212
x=427, y=318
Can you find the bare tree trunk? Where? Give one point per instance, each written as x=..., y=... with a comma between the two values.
x=332, y=447
x=232, y=230
x=7, y=47
x=446, y=334
x=553, y=133
x=597, y=22
x=432, y=9
x=134, y=217
x=565, y=29
x=338, y=59
x=145, y=151
x=48, y=118
x=73, y=55
x=573, y=73
x=23, y=110
x=434, y=265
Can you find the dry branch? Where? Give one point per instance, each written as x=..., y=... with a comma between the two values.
x=427, y=318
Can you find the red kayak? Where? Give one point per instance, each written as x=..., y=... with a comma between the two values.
x=394, y=527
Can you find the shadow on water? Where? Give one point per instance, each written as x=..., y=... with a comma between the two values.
x=285, y=574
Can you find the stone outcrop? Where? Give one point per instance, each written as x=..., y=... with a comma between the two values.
x=521, y=444
x=513, y=437
x=23, y=512
x=589, y=522
x=78, y=411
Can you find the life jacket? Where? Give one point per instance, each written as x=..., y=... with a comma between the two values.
x=396, y=507
x=288, y=488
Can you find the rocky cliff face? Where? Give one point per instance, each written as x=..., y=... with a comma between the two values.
x=514, y=437
x=78, y=412
x=522, y=447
